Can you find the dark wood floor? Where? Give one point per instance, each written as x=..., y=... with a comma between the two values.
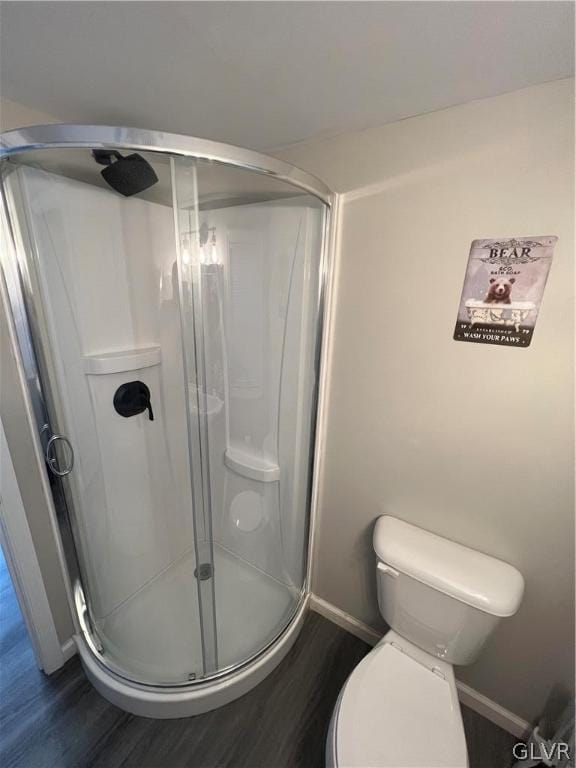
x=61, y=722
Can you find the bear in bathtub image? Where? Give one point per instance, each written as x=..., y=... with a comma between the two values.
x=503, y=289
x=500, y=290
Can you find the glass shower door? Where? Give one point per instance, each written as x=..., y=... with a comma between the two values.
x=185, y=200
x=102, y=284
x=249, y=256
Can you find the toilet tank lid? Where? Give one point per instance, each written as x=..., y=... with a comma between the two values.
x=472, y=577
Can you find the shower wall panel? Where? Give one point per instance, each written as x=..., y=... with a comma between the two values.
x=259, y=315
x=105, y=266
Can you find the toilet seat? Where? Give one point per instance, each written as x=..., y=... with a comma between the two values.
x=398, y=709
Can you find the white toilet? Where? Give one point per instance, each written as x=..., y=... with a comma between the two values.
x=399, y=707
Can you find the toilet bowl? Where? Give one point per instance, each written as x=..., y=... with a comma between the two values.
x=399, y=708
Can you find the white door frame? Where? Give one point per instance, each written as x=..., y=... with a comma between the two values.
x=22, y=562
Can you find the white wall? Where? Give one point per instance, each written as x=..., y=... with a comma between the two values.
x=473, y=442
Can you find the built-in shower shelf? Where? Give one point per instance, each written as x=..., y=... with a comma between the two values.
x=120, y=361
x=253, y=467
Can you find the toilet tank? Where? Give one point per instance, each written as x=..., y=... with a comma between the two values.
x=443, y=597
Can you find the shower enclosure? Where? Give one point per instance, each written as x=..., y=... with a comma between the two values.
x=170, y=340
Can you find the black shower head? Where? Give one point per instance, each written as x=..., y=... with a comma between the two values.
x=128, y=175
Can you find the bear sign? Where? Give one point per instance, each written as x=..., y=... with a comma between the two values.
x=503, y=289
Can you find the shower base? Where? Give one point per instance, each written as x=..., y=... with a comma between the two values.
x=159, y=624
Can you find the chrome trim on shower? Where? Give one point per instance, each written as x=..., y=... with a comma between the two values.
x=61, y=136
x=85, y=624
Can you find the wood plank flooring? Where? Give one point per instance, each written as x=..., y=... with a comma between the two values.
x=62, y=722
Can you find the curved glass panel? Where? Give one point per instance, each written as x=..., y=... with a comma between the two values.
x=173, y=310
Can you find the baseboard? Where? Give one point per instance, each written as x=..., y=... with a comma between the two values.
x=481, y=704
x=492, y=711
x=69, y=649
x=344, y=620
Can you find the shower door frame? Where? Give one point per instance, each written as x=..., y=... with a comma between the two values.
x=61, y=136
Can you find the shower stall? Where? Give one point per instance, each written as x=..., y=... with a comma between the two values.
x=166, y=298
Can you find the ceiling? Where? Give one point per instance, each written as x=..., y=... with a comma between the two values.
x=266, y=74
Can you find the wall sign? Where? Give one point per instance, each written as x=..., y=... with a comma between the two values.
x=503, y=289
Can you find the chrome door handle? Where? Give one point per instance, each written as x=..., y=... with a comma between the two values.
x=52, y=460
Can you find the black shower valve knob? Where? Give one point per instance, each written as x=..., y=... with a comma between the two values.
x=133, y=398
